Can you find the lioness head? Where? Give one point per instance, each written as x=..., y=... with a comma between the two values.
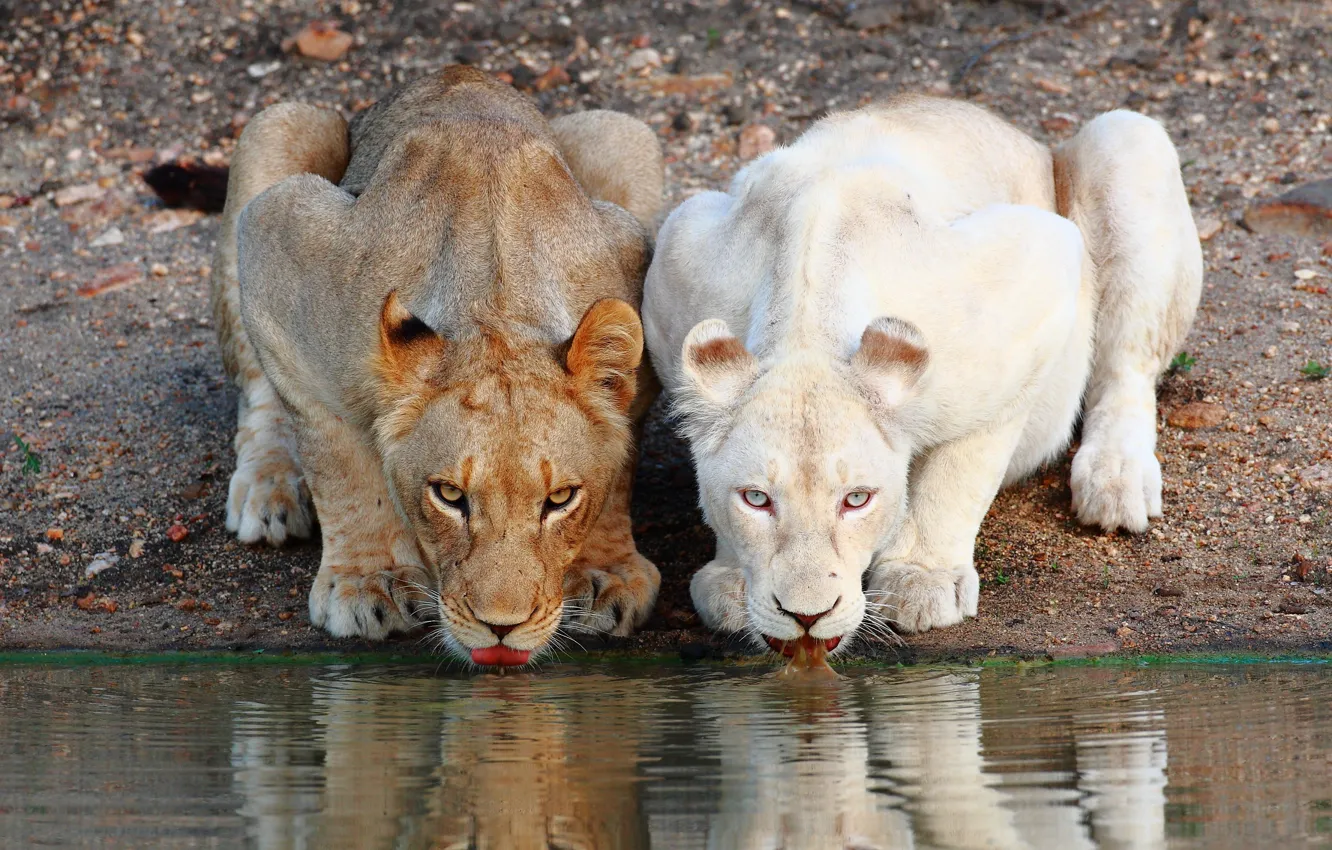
x=500, y=452
x=802, y=469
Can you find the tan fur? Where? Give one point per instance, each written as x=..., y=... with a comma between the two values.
x=457, y=313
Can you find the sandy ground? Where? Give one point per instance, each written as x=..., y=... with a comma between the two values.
x=109, y=375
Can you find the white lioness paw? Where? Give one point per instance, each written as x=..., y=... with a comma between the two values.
x=268, y=499
x=347, y=602
x=718, y=592
x=1116, y=484
x=915, y=599
x=613, y=599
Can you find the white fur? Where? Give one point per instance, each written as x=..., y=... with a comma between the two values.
x=925, y=231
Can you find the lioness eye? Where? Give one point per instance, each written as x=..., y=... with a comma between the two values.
x=560, y=498
x=756, y=499
x=448, y=494
x=857, y=499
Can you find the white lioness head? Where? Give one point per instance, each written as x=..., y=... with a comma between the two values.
x=802, y=466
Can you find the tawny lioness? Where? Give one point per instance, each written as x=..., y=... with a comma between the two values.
x=446, y=345
x=879, y=326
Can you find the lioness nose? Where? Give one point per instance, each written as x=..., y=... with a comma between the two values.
x=500, y=631
x=807, y=620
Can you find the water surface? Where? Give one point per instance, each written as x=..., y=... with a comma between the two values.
x=333, y=756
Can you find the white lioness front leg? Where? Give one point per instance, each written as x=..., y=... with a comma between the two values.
x=718, y=592
x=1118, y=179
x=370, y=576
x=926, y=579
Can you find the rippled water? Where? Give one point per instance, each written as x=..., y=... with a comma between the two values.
x=368, y=757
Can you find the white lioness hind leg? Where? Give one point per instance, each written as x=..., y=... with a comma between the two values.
x=928, y=580
x=370, y=579
x=268, y=499
x=1119, y=181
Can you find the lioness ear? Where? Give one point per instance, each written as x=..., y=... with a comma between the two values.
x=891, y=360
x=606, y=350
x=717, y=364
x=408, y=348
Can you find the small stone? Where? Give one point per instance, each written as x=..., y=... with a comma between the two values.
x=1303, y=211
x=110, y=236
x=101, y=562
x=1169, y=591
x=1051, y=86
x=45, y=548
x=1271, y=126
x=1196, y=415
x=1305, y=274
x=158, y=270
x=1270, y=352
x=1208, y=227
x=258, y=70
x=756, y=140
x=643, y=58
x=321, y=40
x=197, y=490
x=736, y=114
x=136, y=548
x=55, y=535
x=165, y=221
x=1289, y=327
x=78, y=194
x=177, y=533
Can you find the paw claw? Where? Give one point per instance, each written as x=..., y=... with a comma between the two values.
x=614, y=600
x=916, y=599
x=269, y=501
x=346, y=603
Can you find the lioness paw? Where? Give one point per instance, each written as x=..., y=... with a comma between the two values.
x=268, y=499
x=613, y=599
x=1116, y=484
x=347, y=602
x=915, y=599
x=718, y=591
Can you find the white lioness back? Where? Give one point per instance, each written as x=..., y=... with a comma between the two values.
x=872, y=331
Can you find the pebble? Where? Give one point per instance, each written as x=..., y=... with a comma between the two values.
x=111, y=236
x=643, y=58
x=1196, y=415
x=1271, y=126
x=259, y=70
x=102, y=562
x=1317, y=477
x=78, y=194
x=1208, y=227
x=177, y=533
x=321, y=40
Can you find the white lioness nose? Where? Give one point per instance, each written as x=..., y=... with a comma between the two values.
x=806, y=620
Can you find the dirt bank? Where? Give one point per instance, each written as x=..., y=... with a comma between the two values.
x=111, y=378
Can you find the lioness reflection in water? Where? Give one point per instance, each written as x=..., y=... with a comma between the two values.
x=731, y=762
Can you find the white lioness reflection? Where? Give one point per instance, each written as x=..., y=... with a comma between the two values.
x=884, y=761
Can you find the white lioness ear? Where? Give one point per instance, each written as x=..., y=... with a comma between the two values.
x=891, y=360
x=605, y=352
x=409, y=349
x=717, y=364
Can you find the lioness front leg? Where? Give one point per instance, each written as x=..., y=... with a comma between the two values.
x=610, y=587
x=1118, y=179
x=927, y=579
x=718, y=592
x=370, y=578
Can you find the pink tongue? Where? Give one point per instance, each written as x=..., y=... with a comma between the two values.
x=500, y=656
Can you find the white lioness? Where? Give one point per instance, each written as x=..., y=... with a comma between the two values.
x=879, y=326
x=446, y=343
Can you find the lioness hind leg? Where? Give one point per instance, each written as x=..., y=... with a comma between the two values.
x=268, y=499
x=1118, y=179
x=615, y=158
x=610, y=587
x=371, y=581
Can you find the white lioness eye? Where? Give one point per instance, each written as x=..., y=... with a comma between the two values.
x=857, y=499
x=756, y=499
x=447, y=493
x=560, y=497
